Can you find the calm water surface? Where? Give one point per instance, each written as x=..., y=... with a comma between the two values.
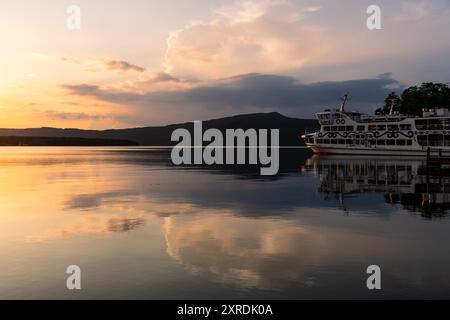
x=140, y=228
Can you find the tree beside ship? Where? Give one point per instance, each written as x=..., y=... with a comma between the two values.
x=414, y=99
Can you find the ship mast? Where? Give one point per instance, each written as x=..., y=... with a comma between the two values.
x=344, y=101
x=391, y=111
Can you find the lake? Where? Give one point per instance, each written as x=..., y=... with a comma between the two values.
x=141, y=228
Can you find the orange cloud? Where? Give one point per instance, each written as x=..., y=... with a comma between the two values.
x=95, y=64
x=122, y=66
x=263, y=36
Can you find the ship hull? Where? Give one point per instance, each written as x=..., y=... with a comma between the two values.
x=377, y=151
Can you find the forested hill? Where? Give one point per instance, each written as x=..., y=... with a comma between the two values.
x=290, y=130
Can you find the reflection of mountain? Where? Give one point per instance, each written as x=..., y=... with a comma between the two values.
x=239, y=188
x=403, y=181
x=290, y=159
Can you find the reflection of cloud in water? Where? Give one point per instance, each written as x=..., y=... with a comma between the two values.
x=124, y=225
x=120, y=216
x=260, y=253
x=94, y=200
x=84, y=202
x=89, y=225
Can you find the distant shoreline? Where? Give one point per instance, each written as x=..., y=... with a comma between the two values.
x=15, y=141
x=290, y=131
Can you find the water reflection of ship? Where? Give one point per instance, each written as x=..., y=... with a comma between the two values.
x=403, y=181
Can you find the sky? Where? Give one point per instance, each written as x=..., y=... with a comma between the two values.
x=153, y=62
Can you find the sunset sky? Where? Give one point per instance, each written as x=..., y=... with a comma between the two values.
x=151, y=62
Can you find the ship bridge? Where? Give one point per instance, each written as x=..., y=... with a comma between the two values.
x=329, y=117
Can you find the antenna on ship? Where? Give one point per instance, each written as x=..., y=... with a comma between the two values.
x=344, y=101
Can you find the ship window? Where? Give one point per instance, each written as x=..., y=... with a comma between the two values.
x=341, y=128
x=435, y=124
x=390, y=142
x=326, y=141
x=421, y=124
x=401, y=142
x=319, y=140
x=381, y=142
x=408, y=142
x=381, y=127
x=373, y=142
x=333, y=141
x=447, y=141
x=326, y=128
x=349, y=141
x=431, y=124
x=349, y=128
x=393, y=127
x=341, y=141
x=372, y=128
x=422, y=140
x=334, y=128
x=436, y=139
x=361, y=128
x=405, y=127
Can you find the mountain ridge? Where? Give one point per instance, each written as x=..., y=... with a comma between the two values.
x=290, y=129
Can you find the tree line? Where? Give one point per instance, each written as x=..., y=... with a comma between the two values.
x=429, y=95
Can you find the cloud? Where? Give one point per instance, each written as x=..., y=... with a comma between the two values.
x=163, y=77
x=122, y=66
x=82, y=89
x=419, y=10
x=62, y=115
x=250, y=36
x=96, y=64
x=251, y=92
x=413, y=11
x=72, y=60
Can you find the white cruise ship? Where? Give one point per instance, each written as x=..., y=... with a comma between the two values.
x=343, y=132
